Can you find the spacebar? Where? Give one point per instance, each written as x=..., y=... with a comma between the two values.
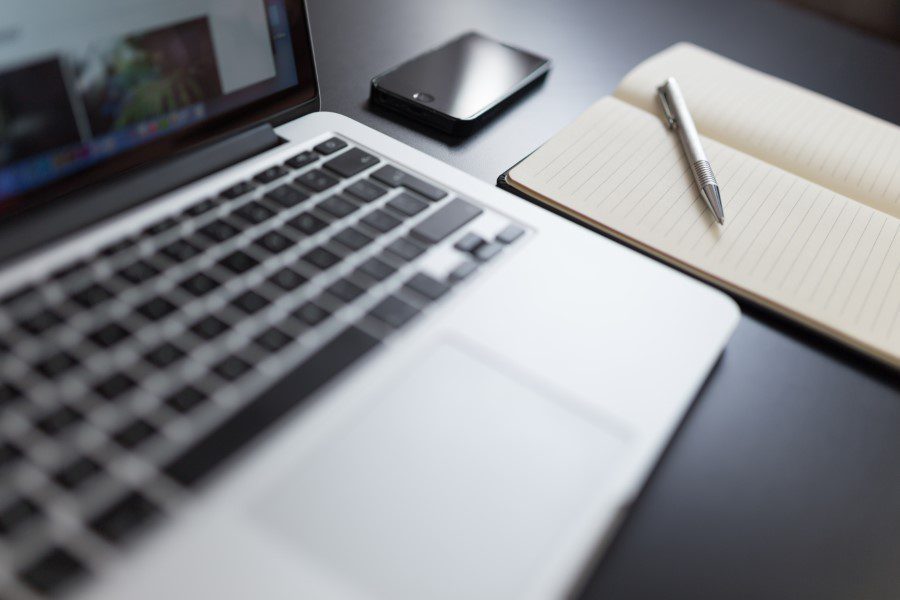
x=239, y=429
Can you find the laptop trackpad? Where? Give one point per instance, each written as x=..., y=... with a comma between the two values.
x=454, y=482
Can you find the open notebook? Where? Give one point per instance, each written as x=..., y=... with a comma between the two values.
x=811, y=190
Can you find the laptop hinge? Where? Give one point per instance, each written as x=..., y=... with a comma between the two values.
x=68, y=214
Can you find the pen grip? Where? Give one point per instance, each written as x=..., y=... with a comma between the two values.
x=703, y=173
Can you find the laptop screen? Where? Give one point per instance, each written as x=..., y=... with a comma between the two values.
x=96, y=86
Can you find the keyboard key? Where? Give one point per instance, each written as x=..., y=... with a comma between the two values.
x=377, y=269
x=390, y=176
x=164, y=355
x=427, y=286
x=156, y=309
x=337, y=206
x=316, y=180
x=270, y=174
x=311, y=314
x=41, y=322
x=219, y=231
x=232, y=368
x=272, y=339
x=321, y=258
x=250, y=302
x=254, y=212
x=463, y=271
x=274, y=242
x=56, y=365
x=394, y=177
x=115, y=386
x=510, y=234
x=238, y=262
x=468, y=243
x=393, y=311
x=109, y=335
x=330, y=146
x=77, y=472
x=405, y=249
x=70, y=270
x=287, y=196
x=9, y=393
x=345, y=290
x=407, y=204
x=124, y=518
x=486, y=252
x=138, y=272
x=366, y=190
x=91, y=296
x=180, y=251
x=161, y=226
x=287, y=279
x=423, y=188
x=201, y=207
x=352, y=238
x=307, y=223
x=9, y=454
x=301, y=160
x=17, y=514
x=242, y=427
x=209, y=328
x=53, y=572
x=134, y=434
x=238, y=189
x=199, y=284
x=58, y=420
x=380, y=221
x=117, y=247
x=445, y=221
x=351, y=162
x=186, y=399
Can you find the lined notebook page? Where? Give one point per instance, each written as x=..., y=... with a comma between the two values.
x=789, y=243
x=846, y=150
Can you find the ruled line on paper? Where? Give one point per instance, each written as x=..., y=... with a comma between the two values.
x=850, y=255
x=876, y=278
x=860, y=272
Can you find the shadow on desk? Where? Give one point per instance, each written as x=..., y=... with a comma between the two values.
x=452, y=141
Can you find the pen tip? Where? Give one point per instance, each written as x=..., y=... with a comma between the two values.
x=714, y=200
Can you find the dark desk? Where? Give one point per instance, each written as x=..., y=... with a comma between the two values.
x=784, y=481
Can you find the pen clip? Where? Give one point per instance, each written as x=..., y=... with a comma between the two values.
x=664, y=101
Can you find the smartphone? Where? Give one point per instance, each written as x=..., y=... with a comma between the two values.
x=460, y=85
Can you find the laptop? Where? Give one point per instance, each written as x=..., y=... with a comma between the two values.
x=252, y=349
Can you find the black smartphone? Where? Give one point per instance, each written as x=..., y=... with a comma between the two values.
x=460, y=85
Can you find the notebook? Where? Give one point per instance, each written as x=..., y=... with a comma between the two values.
x=811, y=190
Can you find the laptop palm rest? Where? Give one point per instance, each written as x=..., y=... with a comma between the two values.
x=460, y=465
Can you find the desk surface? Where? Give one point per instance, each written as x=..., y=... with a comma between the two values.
x=784, y=481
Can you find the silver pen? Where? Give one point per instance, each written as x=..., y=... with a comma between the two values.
x=679, y=118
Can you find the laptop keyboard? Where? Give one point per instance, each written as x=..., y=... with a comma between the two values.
x=128, y=376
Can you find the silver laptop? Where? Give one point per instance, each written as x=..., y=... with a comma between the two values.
x=253, y=350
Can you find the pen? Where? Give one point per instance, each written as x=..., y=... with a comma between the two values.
x=679, y=118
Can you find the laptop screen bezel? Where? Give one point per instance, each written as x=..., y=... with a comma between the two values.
x=275, y=109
